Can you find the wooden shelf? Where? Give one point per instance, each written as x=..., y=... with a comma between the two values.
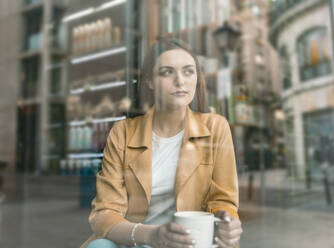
x=84, y=155
x=98, y=55
x=98, y=87
x=191, y=29
x=101, y=120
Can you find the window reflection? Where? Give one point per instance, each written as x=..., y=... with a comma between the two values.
x=313, y=53
x=70, y=70
x=285, y=68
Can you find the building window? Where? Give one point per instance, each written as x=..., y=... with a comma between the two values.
x=313, y=54
x=32, y=28
x=319, y=139
x=285, y=68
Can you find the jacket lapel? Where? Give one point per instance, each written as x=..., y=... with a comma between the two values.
x=190, y=153
x=140, y=152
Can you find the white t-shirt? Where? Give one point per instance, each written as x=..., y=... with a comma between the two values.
x=165, y=156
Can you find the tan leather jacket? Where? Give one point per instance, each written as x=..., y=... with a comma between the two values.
x=206, y=177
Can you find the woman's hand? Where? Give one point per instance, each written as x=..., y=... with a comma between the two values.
x=228, y=233
x=171, y=235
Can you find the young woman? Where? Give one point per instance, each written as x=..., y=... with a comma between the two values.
x=171, y=159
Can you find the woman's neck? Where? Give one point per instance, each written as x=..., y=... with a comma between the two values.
x=167, y=123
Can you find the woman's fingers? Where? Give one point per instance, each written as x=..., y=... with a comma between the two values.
x=232, y=229
x=226, y=243
x=230, y=235
x=176, y=236
x=176, y=228
x=234, y=224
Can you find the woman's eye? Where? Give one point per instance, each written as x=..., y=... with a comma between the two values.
x=165, y=72
x=189, y=72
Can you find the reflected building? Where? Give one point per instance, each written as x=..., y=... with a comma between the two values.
x=78, y=65
x=301, y=31
x=10, y=46
x=34, y=91
x=255, y=99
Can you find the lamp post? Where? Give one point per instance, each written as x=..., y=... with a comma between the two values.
x=226, y=38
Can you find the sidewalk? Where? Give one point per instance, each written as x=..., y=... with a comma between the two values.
x=290, y=228
x=39, y=220
x=292, y=216
x=280, y=191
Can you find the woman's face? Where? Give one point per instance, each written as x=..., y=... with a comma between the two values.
x=174, y=79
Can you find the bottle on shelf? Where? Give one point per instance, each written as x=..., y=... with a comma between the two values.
x=96, y=166
x=87, y=38
x=71, y=168
x=95, y=137
x=117, y=35
x=94, y=36
x=105, y=134
x=99, y=136
x=80, y=138
x=107, y=32
x=87, y=170
x=70, y=138
x=74, y=41
x=80, y=39
x=78, y=166
x=87, y=143
x=99, y=34
x=63, y=171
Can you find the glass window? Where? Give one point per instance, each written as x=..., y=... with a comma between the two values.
x=285, y=68
x=313, y=54
x=32, y=27
x=77, y=81
x=319, y=140
x=30, y=77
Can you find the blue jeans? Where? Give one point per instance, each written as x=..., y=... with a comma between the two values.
x=102, y=243
x=106, y=243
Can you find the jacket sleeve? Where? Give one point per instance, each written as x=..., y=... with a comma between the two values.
x=110, y=204
x=223, y=192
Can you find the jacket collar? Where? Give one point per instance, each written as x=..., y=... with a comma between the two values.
x=140, y=159
x=142, y=136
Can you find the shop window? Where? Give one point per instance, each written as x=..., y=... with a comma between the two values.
x=30, y=77
x=32, y=28
x=57, y=29
x=319, y=140
x=313, y=54
x=285, y=68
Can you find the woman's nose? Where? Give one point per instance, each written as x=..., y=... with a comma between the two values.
x=179, y=79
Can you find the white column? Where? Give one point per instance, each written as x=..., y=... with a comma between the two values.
x=299, y=140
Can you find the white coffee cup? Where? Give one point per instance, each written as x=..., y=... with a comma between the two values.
x=200, y=224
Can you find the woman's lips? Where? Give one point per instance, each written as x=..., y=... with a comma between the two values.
x=179, y=93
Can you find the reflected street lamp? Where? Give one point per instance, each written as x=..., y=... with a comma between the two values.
x=226, y=38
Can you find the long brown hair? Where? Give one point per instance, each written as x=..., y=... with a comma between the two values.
x=162, y=45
